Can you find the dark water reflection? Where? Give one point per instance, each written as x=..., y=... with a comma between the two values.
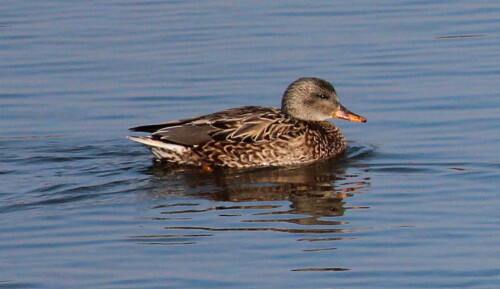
x=303, y=200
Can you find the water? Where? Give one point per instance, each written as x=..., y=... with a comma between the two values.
x=414, y=204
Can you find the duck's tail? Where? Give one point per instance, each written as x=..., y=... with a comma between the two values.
x=163, y=150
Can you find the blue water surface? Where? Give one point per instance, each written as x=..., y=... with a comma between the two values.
x=413, y=205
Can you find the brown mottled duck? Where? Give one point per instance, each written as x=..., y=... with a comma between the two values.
x=252, y=136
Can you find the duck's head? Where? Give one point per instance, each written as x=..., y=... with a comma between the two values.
x=315, y=99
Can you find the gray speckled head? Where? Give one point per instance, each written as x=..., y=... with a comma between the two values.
x=310, y=98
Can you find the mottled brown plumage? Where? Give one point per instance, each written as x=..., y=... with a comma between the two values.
x=252, y=136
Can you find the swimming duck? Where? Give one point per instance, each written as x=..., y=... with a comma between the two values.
x=253, y=136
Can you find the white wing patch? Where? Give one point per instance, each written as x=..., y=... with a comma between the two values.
x=158, y=144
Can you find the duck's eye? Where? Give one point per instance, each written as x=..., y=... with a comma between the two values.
x=322, y=96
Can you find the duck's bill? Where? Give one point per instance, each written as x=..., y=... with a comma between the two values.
x=344, y=113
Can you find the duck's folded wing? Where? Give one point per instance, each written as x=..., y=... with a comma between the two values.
x=247, y=124
x=257, y=128
x=156, y=127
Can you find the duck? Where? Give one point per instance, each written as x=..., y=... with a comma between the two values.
x=256, y=136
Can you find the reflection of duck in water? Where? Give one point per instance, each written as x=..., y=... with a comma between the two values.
x=317, y=189
x=257, y=136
